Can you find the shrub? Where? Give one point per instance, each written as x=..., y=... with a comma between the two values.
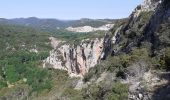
x=119, y=92
x=11, y=74
x=2, y=84
x=21, y=65
x=167, y=58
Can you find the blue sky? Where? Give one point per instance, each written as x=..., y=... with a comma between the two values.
x=67, y=9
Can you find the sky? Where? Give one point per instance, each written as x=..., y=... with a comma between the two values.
x=67, y=9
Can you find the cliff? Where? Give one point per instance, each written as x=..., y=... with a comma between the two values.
x=144, y=25
x=130, y=62
x=147, y=28
x=139, y=57
x=78, y=59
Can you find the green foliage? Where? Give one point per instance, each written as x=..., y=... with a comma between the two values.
x=39, y=79
x=118, y=23
x=117, y=64
x=53, y=25
x=163, y=33
x=22, y=65
x=93, y=92
x=88, y=76
x=73, y=94
x=167, y=57
x=11, y=74
x=119, y=92
x=13, y=38
x=134, y=30
x=144, y=17
x=3, y=84
x=17, y=63
x=162, y=61
x=75, y=38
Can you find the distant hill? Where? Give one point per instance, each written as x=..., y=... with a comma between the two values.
x=54, y=24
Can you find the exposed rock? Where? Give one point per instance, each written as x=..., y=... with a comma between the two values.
x=143, y=25
x=54, y=42
x=78, y=59
x=143, y=87
x=90, y=29
x=34, y=50
x=140, y=96
x=148, y=5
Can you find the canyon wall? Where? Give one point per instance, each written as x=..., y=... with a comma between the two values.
x=78, y=59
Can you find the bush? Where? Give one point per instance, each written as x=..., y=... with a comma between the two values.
x=39, y=79
x=167, y=58
x=2, y=84
x=162, y=60
x=24, y=65
x=119, y=92
x=11, y=74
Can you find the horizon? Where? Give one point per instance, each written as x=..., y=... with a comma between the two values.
x=67, y=10
x=63, y=19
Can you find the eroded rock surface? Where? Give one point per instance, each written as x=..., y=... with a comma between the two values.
x=78, y=59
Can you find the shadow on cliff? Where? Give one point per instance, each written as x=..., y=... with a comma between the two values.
x=163, y=92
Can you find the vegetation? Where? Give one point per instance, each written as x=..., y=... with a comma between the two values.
x=76, y=38
x=53, y=25
x=23, y=49
x=21, y=55
x=117, y=64
x=18, y=64
x=162, y=61
x=118, y=91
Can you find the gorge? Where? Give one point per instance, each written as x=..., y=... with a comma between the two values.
x=87, y=59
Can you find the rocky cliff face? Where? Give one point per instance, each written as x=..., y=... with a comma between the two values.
x=147, y=5
x=78, y=59
x=144, y=24
x=148, y=27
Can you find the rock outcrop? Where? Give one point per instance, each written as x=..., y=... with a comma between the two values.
x=147, y=27
x=147, y=5
x=78, y=59
x=90, y=28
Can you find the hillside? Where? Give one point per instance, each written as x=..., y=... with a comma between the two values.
x=131, y=61
x=53, y=25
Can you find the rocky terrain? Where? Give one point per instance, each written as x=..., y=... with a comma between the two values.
x=106, y=27
x=140, y=31
x=78, y=59
x=53, y=25
x=130, y=61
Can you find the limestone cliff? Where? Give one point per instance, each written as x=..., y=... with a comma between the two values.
x=147, y=27
x=143, y=26
x=78, y=59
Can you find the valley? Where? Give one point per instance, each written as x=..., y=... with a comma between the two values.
x=87, y=59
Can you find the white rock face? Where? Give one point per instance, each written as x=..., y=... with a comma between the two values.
x=116, y=33
x=147, y=5
x=150, y=5
x=90, y=29
x=78, y=59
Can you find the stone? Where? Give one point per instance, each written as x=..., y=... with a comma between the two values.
x=140, y=96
